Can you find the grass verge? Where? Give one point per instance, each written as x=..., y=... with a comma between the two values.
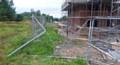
x=37, y=52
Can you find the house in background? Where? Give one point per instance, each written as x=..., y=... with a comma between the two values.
x=105, y=15
x=81, y=11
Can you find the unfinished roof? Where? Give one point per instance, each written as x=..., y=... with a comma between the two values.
x=86, y=1
x=80, y=1
x=117, y=2
x=68, y=3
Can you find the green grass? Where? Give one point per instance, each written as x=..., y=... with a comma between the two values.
x=37, y=52
x=43, y=60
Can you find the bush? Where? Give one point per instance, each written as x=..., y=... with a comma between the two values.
x=19, y=17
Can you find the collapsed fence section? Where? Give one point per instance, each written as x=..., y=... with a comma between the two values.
x=38, y=30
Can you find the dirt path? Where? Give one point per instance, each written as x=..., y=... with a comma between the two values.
x=72, y=47
x=76, y=46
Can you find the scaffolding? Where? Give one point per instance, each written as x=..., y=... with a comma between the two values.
x=105, y=45
x=103, y=40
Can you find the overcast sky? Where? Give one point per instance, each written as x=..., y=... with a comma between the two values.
x=51, y=7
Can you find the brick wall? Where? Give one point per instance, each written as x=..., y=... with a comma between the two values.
x=82, y=11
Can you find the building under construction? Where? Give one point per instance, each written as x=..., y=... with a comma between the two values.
x=102, y=20
x=80, y=11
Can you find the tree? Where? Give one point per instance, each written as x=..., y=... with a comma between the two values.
x=11, y=3
x=56, y=19
x=26, y=15
x=64, y=18
x=7, y=11
x=48, y=18
x=19, y=17
x=38, y=13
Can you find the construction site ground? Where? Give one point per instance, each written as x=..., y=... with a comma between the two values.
x=76, y=46
x=72, y=47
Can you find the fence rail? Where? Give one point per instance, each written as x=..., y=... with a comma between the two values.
x=37, y=27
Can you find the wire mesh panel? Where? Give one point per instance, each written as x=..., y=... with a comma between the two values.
x=102, y=19
x=102, y=43
x=38, y=30
x=104, y=40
